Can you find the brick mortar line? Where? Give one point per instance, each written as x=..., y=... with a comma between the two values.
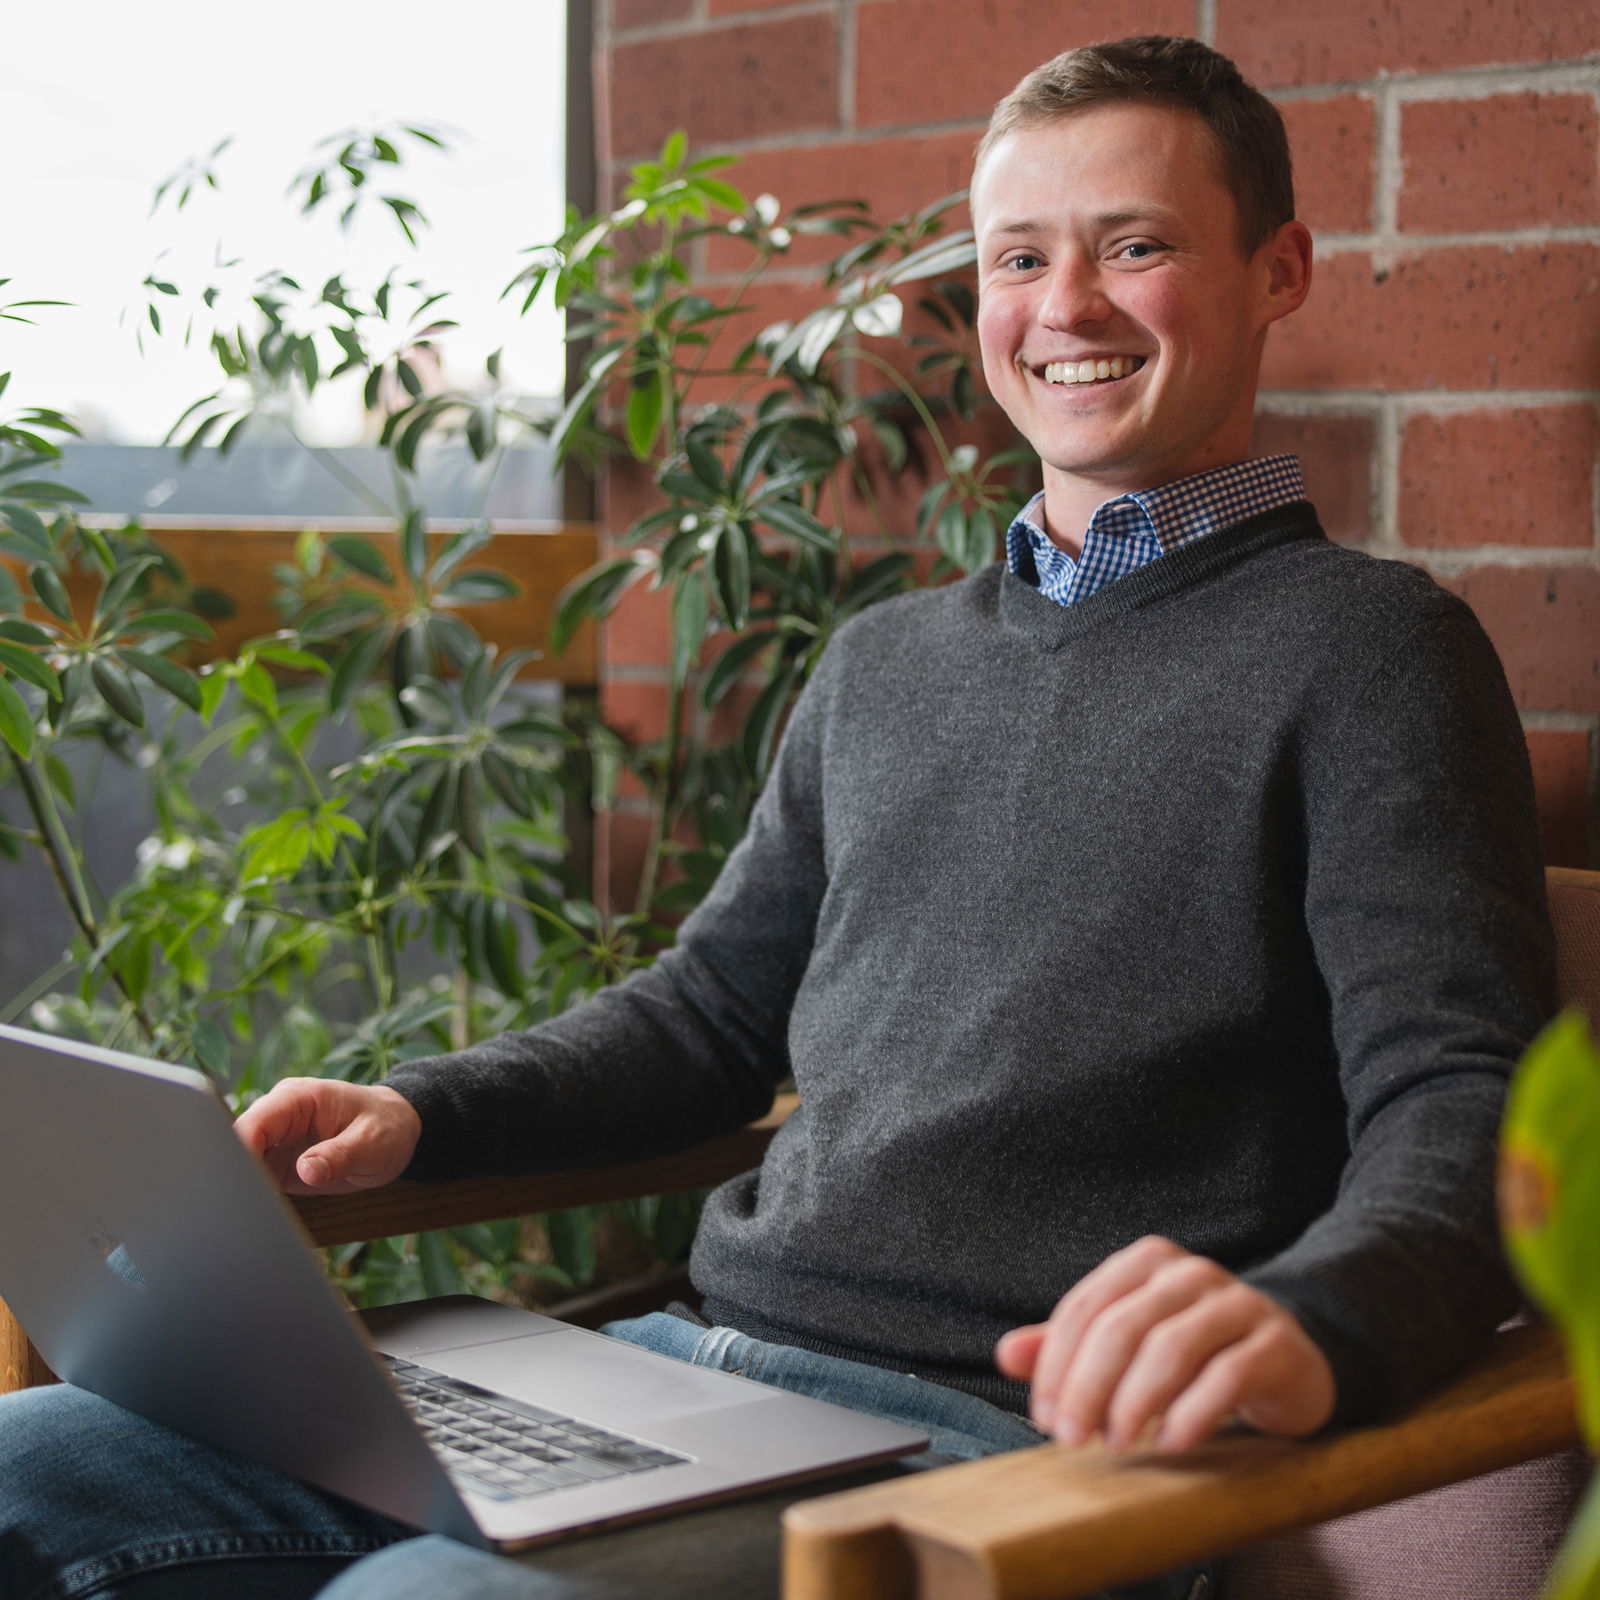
x=703, y=22
x=1392, y=242
x=823, y=138
x=638, y=672
x=1387, y=169
x=1463, y=83
x=847, y=64
x=1386, y=480
x=1560, y=721
x=1456, y=563
x=1205, y=21
x=1313, y=402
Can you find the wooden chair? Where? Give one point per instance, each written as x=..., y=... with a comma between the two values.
x=1049, y=1523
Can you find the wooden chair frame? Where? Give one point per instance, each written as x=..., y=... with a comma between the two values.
x=1011, y=1527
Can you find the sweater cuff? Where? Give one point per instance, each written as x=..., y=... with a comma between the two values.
x=438, y=1155
x=1362, y=1392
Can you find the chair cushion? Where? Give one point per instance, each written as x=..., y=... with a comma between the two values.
x=1490, y=1538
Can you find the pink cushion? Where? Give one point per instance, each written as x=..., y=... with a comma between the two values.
x=1490, y=1538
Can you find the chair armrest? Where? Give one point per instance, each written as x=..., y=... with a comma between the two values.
x=421, y=1207
x=1052, y=1523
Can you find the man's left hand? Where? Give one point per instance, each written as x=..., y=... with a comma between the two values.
x=1157, y=1336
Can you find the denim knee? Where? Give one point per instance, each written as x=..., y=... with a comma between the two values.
x=92, y=1495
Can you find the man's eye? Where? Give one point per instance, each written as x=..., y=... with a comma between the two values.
x=1141, y=250
x=1023, y=263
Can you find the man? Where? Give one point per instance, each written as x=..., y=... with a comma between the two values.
x=1149, y=924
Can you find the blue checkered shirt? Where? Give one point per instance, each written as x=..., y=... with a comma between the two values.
x=1132, y=530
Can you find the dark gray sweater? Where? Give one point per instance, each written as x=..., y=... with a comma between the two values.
x=1209, y=907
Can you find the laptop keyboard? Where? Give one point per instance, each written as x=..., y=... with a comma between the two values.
x=509, y=1450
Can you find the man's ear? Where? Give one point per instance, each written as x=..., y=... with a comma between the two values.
x=1286, y=258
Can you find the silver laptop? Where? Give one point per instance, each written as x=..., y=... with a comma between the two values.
x=151, y=1261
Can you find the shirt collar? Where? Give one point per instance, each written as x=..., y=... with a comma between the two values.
x=1176, y=513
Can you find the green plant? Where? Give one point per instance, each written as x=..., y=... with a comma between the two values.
x=359, y=855
x=756, y=487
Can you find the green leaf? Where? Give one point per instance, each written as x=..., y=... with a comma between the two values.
x=16, y=724
x=28, y=524
x=730, y=574
x=440, y=1274
x=210, y=1047
x=469, y=810
x=761, y=729
x=572, y=1243
x=40, y=489
x=503, y=779
x=362, y=556
x=428, y=699
x=355, y=667
x=951, y=532
x=795, y=520
x=724, y=194
x=287, y=655
x=577, y=409
x=458, y=547
x=689, y=614
x=879, y=318
x=117, y=690
x=502, y=947
x=212, y=688
x=27, y=666
x=731, y=663
x=478, y=585
x=256, y=685
x=593, y=594
x=647, y=400
x=952, y=254
x=119, y=587
x=22, y=631
x=414, y=544
x=706, y=465
x=178, y=682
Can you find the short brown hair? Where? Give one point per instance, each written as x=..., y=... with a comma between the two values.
x=1251, y=145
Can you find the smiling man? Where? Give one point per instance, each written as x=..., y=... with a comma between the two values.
x=1149, y=922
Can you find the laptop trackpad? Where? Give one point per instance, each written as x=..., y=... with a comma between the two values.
x=598, y=1379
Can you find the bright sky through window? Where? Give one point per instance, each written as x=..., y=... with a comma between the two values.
x=100, y=101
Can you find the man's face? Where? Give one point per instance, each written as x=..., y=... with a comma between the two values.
x=1108, y=237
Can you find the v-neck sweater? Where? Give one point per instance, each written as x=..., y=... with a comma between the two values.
x=1209, y=907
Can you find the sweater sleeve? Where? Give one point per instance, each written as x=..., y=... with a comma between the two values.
x=1425, y=905
x=687, y=1048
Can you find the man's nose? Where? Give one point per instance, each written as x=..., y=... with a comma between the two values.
x=1074, y=294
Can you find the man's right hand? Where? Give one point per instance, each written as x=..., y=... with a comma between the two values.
x=325, y=1136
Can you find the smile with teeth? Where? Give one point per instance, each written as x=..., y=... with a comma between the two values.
x=1091, y=371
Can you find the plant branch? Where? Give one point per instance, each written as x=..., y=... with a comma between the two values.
x=666, y=809
x=337, y=470
x=64, y=868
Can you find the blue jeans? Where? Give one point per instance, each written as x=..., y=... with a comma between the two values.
x=97, y=1502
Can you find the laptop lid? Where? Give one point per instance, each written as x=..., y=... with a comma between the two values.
x=154, y=1263
x=144, y=1243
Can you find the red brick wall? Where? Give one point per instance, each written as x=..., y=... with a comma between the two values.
x=1441, y=383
